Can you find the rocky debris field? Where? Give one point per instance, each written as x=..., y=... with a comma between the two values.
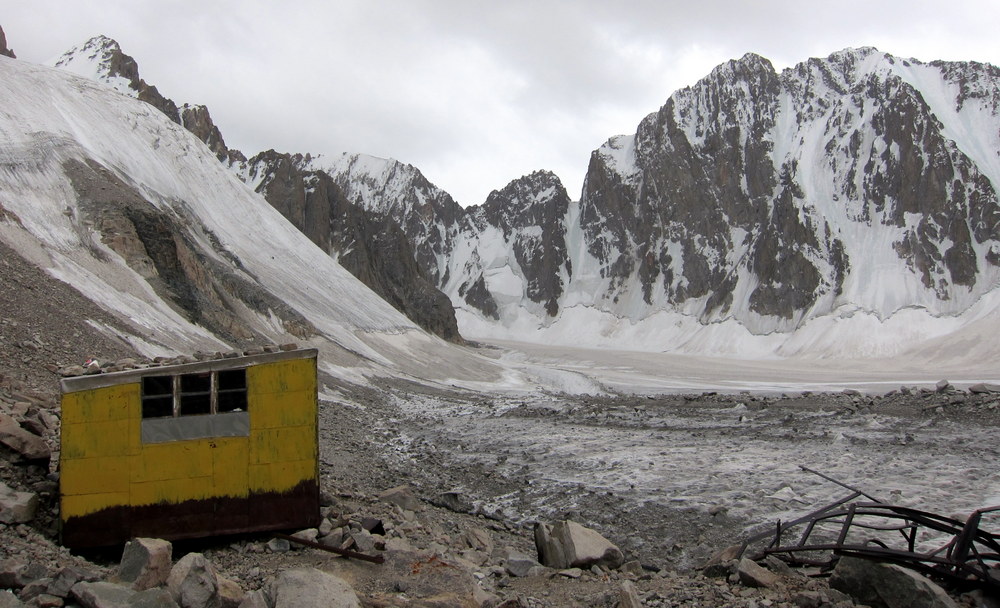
x=460, y=522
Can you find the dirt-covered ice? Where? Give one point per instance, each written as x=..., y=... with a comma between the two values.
x=673, y=471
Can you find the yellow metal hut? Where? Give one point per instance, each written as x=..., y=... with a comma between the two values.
x=212, y=447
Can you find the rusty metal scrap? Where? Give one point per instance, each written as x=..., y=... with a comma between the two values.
x=375, y=559
x=965, y=555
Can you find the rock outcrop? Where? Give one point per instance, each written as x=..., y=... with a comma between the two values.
x=370, y=245
x=6, y=52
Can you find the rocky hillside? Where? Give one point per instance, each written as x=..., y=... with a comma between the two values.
x=369, y=244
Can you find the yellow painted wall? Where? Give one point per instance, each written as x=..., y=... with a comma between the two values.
x=104, y=463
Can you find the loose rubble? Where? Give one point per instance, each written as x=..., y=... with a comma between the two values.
x=440, y=548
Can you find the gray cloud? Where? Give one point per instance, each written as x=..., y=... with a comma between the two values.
x=473, y=93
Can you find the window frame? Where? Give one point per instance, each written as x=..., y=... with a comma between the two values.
x=177, y=393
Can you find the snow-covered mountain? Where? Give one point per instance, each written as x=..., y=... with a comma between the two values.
x=845, y=205
x=107, y=194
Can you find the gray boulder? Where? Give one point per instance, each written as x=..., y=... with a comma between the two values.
x=9, y=600
x=193, y=582
x=28, y=445
x=152, y=598
x=402, y=497
x=887, y=585
x=518, y=564
x=570, y=545
x=312, y=588
x=753, y=575
x=101, y=595
x=146, y=563
x=16, y=507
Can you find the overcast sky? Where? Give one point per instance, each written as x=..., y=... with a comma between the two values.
x=474, y=94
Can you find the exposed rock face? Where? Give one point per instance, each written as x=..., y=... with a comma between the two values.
x=757, y=194
x=102, y=59
x=198, y=121
x=528, y=215
x=371, y=246
x=428, y=215
x=164, y=250
x=6, y=52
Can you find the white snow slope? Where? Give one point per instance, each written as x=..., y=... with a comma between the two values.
x=49, y=117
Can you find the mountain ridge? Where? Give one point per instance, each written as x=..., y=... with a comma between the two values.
x=859, y=183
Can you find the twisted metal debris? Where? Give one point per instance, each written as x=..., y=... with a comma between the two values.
x=962, y=555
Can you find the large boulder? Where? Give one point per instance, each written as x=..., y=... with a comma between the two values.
x=102, y=595
x=312, y=588
x=570, y=545
x=882, y=585
x=193, y=582
x=16, y=507
x=30, y=446
x=146, y=563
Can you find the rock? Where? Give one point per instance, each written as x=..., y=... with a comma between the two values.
x=518, y=564
x=942, y=386
x=102, y=595
x=64, y=580
x=278, y=545
x=145, y=563
x=9, y=600
x=255, y=599
x=31, y=447
x=571, y=573
x=628, y=597
x=312, y=588
x=478, y=539
x=48, y=601
x=568, y=544
x=363, y=541
x=984, y=388
x=230, y=593
x=723, y=563
x=34, y=589
x=453, y=501
x=887, y=585
x=16, y=507
x=193, y=582
x=152, y=598
x=402, y=497
x=753, y=575
x=309, y=535
x=632, y=568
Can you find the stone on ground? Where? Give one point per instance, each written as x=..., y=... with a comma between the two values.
x=152, y=598
x=628, y=597
x=312, y=588
x=28, y=445
x=402, y=497
x=753, y=575
x=570, y=545
x=193, y=582
x=887, y=585
x=102, y=595
x=17, y=507
x=146, y=563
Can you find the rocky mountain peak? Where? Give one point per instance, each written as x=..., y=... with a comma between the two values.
x=6, y=52
x=102, y=59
